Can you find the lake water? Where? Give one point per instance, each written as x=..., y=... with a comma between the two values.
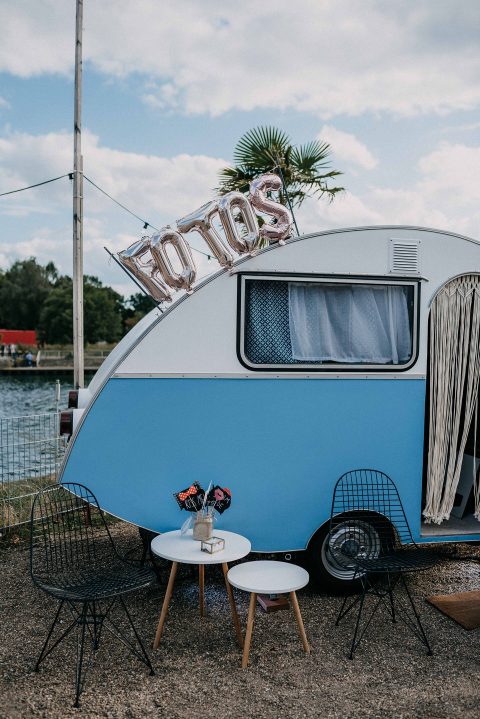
x=30, y=447
x=30, y=394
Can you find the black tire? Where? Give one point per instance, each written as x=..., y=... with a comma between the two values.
x=329, y=576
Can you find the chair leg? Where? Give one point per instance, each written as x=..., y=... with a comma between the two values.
x=46, y=650
x=80, y=681
x=422, y=634
x=142, y=648
x=138, y=649
x=298, y=617
x=248, y=634
x=390, y=594
x=40, y=658
x=343, y=612
x=357, y=624
x=340, y=613
x=96, y=627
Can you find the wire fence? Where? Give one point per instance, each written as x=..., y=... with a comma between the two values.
x=31, y=451
x=64, y=357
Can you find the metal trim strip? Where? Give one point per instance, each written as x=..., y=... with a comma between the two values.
x=265, y=375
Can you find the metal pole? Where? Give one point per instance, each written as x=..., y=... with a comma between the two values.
x=112, y=256
x=78, y=358
x=288, y=197
x=58, y=394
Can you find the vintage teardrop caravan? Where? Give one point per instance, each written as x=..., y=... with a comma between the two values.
x=278, y=374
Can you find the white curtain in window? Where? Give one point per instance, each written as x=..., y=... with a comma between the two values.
x=349, y=323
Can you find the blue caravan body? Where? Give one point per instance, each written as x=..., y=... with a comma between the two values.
x=213, y=389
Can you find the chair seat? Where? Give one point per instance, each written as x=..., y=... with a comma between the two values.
x=94, y=584
x=268, y=577
x=402, y=560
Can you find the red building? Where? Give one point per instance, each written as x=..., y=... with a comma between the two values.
x=18, y=337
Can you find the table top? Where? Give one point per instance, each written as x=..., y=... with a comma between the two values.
x=183, y=548
x=268, y=577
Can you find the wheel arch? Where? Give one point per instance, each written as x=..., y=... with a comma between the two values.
x=351, y=513
x=327, y=573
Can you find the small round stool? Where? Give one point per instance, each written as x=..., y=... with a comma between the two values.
x=266, y=577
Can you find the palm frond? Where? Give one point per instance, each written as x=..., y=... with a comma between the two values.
x=236, y=179
x=314, y=154
x=261, y=148
x=264, y=149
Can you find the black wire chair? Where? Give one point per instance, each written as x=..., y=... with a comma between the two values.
x=73, y=559
x=370, y=536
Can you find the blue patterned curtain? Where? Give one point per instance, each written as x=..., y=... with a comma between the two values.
x=267, y=330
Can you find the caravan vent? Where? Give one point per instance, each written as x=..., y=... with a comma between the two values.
x=405, y=257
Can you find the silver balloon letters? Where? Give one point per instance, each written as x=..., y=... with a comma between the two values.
x=283, y=226
x=157, y=273
x=177, y=280
x=202, y=221
x=147, y=273
x=226, y=206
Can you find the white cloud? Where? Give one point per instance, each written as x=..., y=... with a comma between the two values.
x=4, y=104
x=157, y=189
x=210, y=57
x=466, y=127
x=347, y=147
x=445, y=195
x=36, y=37
x=451, y=174
x=411, y=207
x=347, y=210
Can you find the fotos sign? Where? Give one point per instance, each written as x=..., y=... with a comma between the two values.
x=149, y=263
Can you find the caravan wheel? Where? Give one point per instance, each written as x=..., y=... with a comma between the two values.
x=331, y=575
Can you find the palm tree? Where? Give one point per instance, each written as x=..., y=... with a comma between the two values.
x=267, y=149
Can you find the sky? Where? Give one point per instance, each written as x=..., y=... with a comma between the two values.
x=169, y=88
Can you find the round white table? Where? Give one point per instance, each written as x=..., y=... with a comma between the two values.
x=183, y=549
x=269, y=577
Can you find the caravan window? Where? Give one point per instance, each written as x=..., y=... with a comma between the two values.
x=327, y=324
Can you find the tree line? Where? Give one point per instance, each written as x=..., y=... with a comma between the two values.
x=37, y=297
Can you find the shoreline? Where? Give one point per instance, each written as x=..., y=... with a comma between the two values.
x=41, y=370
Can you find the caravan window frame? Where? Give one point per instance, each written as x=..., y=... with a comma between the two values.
x=326, y=367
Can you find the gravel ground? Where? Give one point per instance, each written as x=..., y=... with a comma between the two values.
x=197, y=666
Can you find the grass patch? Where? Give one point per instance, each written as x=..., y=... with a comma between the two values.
x=16, y=500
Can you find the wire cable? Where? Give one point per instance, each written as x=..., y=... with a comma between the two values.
x=37, y=184
x=146, y=224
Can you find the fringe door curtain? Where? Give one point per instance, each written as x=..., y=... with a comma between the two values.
x=454, y=382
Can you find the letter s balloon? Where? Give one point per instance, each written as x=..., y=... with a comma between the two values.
x=283, y=226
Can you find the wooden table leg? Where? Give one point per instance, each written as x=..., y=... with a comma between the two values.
x=233, y=608
x=201, y=588
x=298, y=617
x=166, y=602
x=248, y=635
